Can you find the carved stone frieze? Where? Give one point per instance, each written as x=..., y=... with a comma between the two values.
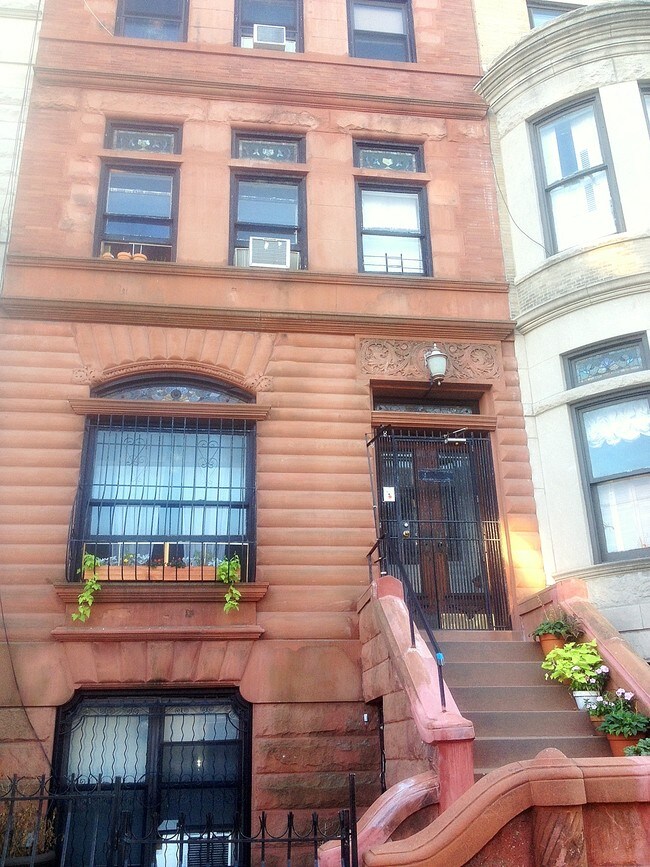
x=405, y=359
x=90, y=375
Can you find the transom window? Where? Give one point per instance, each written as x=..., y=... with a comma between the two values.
x=270, y=24
x=388, y=157
x=268, y=228
x=615, y=436
x=165, y=498
x=381, y=29
x=607, y=360
x=577, y=183
x=138, y=211
x=393, y=230
x=541, y=13
x=145, y=139
x=271, y=149
x=152, y=19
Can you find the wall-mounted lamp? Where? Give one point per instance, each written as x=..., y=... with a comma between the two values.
x=436, y=362
x=456, y=436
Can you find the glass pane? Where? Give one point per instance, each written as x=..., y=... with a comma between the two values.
x=144, y=140
x=582, y=210
x=381, y=47
x=625, y=513
x=608, y=362
x=263, y=149
x=280, y=12
x=268, y=203
x=541, y=16
x=393, y=254
x=379, y=19
x=618, y=437
x=570, y=144
x=200, y=724
x=139, y=194
x=388, y=160
x=129, y=230
x=392, y=211
x=111, y=742
x=153, y=9
x=200, y=763
x=162, y=29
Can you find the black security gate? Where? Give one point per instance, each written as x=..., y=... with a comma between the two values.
x=438, y=508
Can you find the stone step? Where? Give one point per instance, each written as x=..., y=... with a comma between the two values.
x=463, y=674
x=443, y=636
x=503, y=698
x=531, y=723
x=492, y=651
x=496, y=752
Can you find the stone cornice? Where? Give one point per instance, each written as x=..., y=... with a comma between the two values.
x=593, y=33
x=443, y=421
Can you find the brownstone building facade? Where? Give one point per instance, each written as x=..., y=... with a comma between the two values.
x=239, y=227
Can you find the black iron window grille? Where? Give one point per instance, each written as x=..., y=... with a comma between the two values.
x=165, y=499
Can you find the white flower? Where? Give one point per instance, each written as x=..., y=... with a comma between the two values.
x=628, y=696
x=620, y=693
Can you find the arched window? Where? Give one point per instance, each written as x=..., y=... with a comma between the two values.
x=166, y=493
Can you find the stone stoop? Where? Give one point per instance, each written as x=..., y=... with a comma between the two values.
x=497, y=682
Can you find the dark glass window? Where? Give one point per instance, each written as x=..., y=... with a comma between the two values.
x=393, y=230
x=138, y=212
x=268, y=148
x=381, y=29
x=145, y=139
x=541, y=13
x=577, y=182
x=179, y=758
x=615, y=437
x=606, y=360
x=388, y=157
x=270, y=24
x=152, y=19
x=268, y=222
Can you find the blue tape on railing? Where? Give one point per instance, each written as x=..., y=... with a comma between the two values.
x=440, y=658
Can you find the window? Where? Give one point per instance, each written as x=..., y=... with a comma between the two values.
x=270, y=24
x=393, y=229
x=578, y=186
x=605, y=360
x=615, y=439
x=152, y=19
x=144, y=139
x=388, y=157
x=268, y=222
x=645, y=96
x=381, y=29
x=541, y=13
x=179, y=757
x=269, y=148
x=138, y=210
x=165, y=498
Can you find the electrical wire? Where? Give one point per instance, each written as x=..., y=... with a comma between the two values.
x=505, y=202
x=101, y=23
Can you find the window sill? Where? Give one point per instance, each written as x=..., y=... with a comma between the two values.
x=158, y=591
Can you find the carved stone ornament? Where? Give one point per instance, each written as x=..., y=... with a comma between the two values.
x=86, y=374
x=405, y=359
x=259, y=382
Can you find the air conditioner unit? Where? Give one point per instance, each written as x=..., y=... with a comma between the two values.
x=269, y=253
x=196, y=850
x=269, y=36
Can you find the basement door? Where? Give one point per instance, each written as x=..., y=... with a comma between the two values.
x=438, y=511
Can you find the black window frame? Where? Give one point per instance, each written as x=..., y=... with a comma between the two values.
x=409, y=32
x=644, y=90
x=123, y=14
x=298, y=140
x=241, y=24
x=568, y=359
x=560, y=8
x=545, y=189
x=113, y=126
x=140, y=167
x=266, y=229
x=415, y=149
x=424, y=235
x=590, y=483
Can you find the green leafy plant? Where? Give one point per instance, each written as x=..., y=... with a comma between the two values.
x=558, y=623
x=88, y=571
x=22, y=828
x=625, y=722
x=640, y=749
x=229, y=572
x=578, y=665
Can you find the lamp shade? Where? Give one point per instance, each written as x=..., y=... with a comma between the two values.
x=436, y=362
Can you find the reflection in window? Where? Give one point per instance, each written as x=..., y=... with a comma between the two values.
x=542, y=13
x=576, y=178
x=152, y=19
x=381, y=29
x=617, y=444
x=392, y=230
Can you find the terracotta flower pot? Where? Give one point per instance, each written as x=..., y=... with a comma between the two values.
x=124, y=256
x=617, y=743
x=549, y=642
x=596, y=721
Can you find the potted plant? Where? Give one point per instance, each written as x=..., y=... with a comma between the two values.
x=556, y=629
x=580, y=667
x=599, y=706
x=623, y=728
x=31, y=836
x=642, y=748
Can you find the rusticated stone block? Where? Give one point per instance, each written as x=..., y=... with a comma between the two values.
x=310, y=791
x=287, y=720
x=513, y=844
x=295, y=755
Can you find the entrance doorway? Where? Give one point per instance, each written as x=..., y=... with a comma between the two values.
x=438, y=511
